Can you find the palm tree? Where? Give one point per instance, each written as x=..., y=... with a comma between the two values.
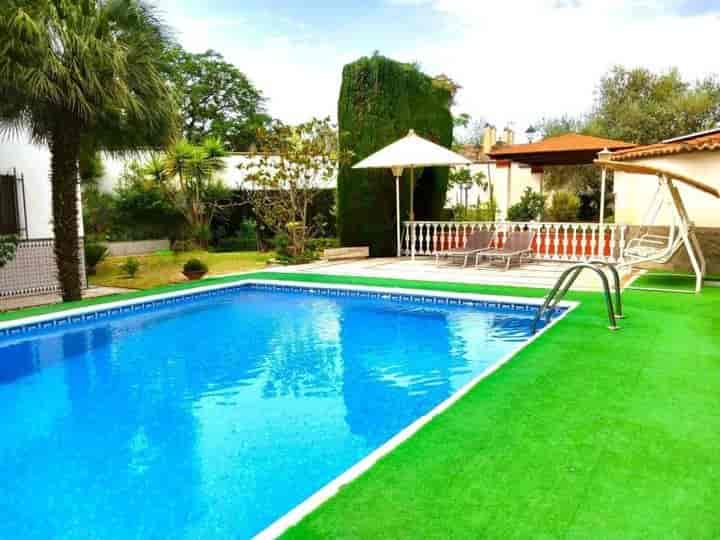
x=196, y=192
x=82, y=74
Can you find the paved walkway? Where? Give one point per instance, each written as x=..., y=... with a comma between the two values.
x=540, y=274
x=20, y=302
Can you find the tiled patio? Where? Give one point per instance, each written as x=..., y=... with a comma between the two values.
x=20, y=302
x=540, y=274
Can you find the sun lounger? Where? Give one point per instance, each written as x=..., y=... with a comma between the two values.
x=477, y=241
x=517, y=245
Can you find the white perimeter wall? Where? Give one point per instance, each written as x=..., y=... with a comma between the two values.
x=33, y=163
x=233, y=176
x=634, y=192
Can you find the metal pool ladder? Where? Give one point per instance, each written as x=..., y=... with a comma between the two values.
x=566, y=280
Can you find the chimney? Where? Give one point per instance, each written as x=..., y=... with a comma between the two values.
x=486, y=146
x=488, y=140
x=509, y=135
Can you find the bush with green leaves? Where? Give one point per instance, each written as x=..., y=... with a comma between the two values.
x=195, y=265
x=7, y=249
x=563, y=207
x=130, y=267
x=94, y=254
x=530, y=207
x=245, y=238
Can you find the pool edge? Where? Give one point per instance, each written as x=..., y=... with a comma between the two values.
x=329, y=490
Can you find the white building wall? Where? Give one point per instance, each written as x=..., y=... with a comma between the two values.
x=508, y=185
x=32, y=162
x=634, y=192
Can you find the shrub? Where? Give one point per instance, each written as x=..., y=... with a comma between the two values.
x=563, y=207
x=94, y=254
x=7, y=249
x=281, y=244
x=130, y=267
x=195, y=265
x=318, y=245
x=529, y=208
x=380, y=100
x=245, y=239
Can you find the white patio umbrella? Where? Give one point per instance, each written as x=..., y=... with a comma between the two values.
x=410, y=152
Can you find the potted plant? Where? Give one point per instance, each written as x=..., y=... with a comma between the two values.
x=195, y=269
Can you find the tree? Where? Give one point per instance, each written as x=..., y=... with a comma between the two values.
x=467, y=130
x=380, y=100
x=634, y=105
x=461, y=177
x=640, y=106
x=530, y=207
x=188, y=178
x=296, y=163
x=79, y=74
x=216, y=99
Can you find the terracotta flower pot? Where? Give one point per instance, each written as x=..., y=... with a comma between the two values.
x=195, y=275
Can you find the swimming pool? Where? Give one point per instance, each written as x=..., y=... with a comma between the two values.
x=211, y=414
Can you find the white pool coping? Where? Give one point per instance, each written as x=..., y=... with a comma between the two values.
x=303, y=509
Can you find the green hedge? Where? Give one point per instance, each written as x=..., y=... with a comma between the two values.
x=380, y=100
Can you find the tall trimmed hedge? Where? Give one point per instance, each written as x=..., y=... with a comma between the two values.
x=380, y=100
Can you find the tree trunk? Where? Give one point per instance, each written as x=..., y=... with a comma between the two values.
x=65, y=151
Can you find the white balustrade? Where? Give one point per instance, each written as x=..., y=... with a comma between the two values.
x=553, y=241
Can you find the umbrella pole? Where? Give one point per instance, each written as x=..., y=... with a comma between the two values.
x=397, y=213
x=412, y=213
x=601, y=232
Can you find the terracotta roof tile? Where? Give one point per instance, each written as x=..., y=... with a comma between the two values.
x=474, y=153
x=702, y=142
x=561, y=143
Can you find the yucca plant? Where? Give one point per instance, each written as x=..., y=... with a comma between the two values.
x=195, y=191
x=79, y=74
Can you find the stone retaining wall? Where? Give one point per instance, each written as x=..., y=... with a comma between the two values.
x=141, y=247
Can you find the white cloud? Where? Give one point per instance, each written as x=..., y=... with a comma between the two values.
x=517, y=60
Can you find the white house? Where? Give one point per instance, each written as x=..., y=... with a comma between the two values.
x=696, y=155
x=26, y=212
x=507, y=180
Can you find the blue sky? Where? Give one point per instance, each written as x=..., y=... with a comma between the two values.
x=517, y=60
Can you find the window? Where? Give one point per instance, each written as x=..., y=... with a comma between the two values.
x=9, y=215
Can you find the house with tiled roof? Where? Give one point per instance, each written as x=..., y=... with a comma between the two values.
x=696, y=155
x=506, y=180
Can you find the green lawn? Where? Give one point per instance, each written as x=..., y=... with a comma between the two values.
x=586, y=433
x=166, y=267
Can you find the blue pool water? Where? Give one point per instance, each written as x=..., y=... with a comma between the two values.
x=213, y=416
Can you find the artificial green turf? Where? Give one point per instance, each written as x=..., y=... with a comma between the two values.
x=586, y=433
x=670, y=281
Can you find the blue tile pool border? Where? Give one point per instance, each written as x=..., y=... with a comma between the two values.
x=104, y=311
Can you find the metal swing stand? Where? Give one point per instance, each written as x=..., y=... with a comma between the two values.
x=649, y=248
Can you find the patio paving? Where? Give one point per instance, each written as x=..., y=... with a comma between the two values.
x=20, y=302
x=540, y=274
